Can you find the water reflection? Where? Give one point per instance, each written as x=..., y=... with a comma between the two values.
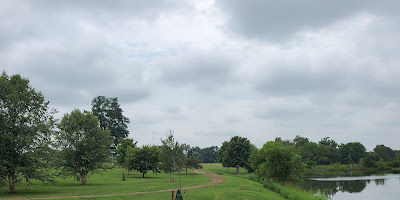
x=330, y=185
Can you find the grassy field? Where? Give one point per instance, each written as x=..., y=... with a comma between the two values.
x=108, y=183
x=237, y=187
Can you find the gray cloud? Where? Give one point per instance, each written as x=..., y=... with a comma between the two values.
x=278, y=20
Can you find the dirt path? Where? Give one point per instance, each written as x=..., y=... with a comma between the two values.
x=215, y=180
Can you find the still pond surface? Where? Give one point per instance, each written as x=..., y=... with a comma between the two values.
x=366, y=185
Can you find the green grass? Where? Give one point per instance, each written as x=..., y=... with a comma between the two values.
x=108, y=183
x=237, y=187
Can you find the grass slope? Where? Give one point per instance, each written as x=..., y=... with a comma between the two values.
x=237, y=187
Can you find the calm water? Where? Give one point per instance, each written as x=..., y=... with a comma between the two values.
x=357, y=186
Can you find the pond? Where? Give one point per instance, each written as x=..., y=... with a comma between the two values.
x=362, y=185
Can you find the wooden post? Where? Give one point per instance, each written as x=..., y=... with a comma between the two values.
x=172, y=195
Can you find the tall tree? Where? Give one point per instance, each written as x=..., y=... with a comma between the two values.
x=236, y=153
x=110, y=116
x=385, y=152
x=26, y=124
x=143, y=159
x=352, y=152
x=278, y=162
x=172, y=157
x=84, y=146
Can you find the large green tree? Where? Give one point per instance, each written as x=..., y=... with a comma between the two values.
x=277, y=162
x=110, y=116
x=143, y=159
x=172, y=157
x=236, y=153
x=26, y=124
x=84, y=146
x=352, y=152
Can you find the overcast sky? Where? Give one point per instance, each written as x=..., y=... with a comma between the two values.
x=210, y=70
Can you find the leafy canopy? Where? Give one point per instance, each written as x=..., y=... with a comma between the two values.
x=26, y=124
x=85, y=147
x=109, y=113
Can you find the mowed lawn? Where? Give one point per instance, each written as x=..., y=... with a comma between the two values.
x=110, y=182
x=237, y=187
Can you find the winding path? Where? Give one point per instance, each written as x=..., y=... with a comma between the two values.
x=215, y=180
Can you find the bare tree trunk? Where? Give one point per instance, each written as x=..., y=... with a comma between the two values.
x=11, y=187
x=237, y=169
x=83, y=179
x=143, y=175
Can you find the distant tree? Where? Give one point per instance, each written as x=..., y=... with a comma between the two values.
x=209, y=154
x=370, y=160
x=300, y=141
x=308, y=153
x=192, y=163
x=84, y=146
x=26, y=125
x=110, y=116
x=326, y=154
x=280, y=163
x=386, y=153
x=172, y=157
x=122, y=148
x=352, y=152
x=143, y=159
x=236, y=153
x=326, y=141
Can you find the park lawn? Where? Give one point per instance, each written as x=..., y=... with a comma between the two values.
x=237, y=187
x=108, y=183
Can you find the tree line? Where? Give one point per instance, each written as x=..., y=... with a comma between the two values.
x=286, y=160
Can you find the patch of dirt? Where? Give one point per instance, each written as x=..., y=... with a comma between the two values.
x=215, y=180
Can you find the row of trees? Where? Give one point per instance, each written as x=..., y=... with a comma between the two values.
x=33, y=145
x=286, y=160
x=327, y=151
x=169, y=157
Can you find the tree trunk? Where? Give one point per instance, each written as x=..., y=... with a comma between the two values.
x=237, y=169
x=226, y=169
x=11, y=187
x=143, y=175
x=170, y=176
x=186, y=170
x=83, y=179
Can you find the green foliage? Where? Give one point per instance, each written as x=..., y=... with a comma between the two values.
x=122, y=148
x=84, y=146
x=109, y=113
x=386, y=153
x=192, y=163
x=352, y=152
x=281, y=163
x=370, y=160
x=236, y=152
x=326, y=141
x=172, y=157
x=26, y=125
x=143, y=159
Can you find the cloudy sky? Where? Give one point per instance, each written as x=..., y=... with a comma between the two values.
x=213, y=69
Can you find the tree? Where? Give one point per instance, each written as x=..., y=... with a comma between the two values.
x=385, y=152
x=370, y=160
x=326, y=141
x=122, y=148
x=192, y=162
x=209, y=154
x=109, y=113
x=280, y=163
x=352, y=152
x=26, y=124
x=172, y=157
x=236, y=153
x=85, y=147
x=143, y=159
